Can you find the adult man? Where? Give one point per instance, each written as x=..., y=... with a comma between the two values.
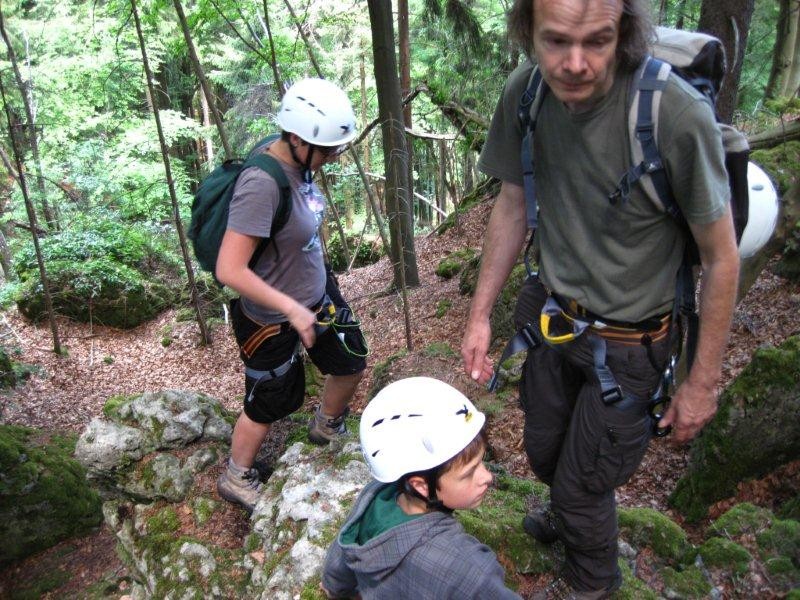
x=614, y=261
x=282, y=292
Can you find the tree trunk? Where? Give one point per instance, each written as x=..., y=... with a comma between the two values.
x=201, y=77
x=363, y=76
x=729, y=20
x=790, y=82
x=273, y=57
x=395, y=154
x=48, y=299
x=303, y=35
x=33, y=141
x=442, y=183
x=404, y=45
x=781, y=51
x=170, y=183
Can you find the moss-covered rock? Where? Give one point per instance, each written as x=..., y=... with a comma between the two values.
x=497, y=523
x=647, y=527
x=44, y=497
x=632, y=588
x=469, y=276
x=782, y=539
x=782, y=163
x=8, y=378
x=112, y=275
x=502, y=320
x=783, y=572
x=741, y=519
x=790, y=509
x=753, y=432
x=452, y=264
x=689, y=583
x=725, y=554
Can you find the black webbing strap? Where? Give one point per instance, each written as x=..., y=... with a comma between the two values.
x=526, y=338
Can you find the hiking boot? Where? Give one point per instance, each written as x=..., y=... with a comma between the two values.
x=541, y=524
x=560, y=589
x=323, y=429
x=241, y=486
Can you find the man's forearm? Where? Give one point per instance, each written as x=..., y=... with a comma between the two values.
x=717, y=302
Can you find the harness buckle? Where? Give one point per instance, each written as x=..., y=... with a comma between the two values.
x=611, y=395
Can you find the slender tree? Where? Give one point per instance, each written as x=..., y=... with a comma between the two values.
x=201, y=77
x=404, y=47
x=784, y=76
x=23, y=186
x=33, y=140
x=176, y=217
x=273, y=56
x=398, y=201
x=729, y=20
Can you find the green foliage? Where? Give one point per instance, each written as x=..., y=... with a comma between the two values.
x=452, y=264
x=782, y=539
x=113, y=274
x=44, y=497
x=439, y=350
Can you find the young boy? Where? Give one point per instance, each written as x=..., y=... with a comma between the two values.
x=424, y=443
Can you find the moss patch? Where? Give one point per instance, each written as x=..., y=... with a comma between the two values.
x=632, y=587
x=782, y=539
x=442, y=307
x=722, y=553
x=647, y=527
x=439, y=350
x=497, y=524
x=790, y=509
x=688, y=583
x=381, y=372
x=452, y=264
x=742, y=518
x=202, y=509
x=44, y=497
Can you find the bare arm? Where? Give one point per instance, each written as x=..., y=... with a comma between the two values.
x=233, y=271
x=504, y=238
x=695, y=401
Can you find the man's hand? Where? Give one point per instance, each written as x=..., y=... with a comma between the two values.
x=474, y=346
x=303, y=321
x=692, y=407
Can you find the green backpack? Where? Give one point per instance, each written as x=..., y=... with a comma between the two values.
x=213, y=197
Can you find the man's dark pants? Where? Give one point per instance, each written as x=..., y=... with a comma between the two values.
x=581, y=447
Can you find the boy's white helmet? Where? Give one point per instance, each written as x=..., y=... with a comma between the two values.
x=319, y=112
x=762, y=212
x=416, y=424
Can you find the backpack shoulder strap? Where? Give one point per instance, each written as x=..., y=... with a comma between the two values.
x=647, y=166
x=528, y=112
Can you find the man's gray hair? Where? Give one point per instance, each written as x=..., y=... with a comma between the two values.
x=636, y=30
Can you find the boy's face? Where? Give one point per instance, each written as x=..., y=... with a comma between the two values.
x=465, y=486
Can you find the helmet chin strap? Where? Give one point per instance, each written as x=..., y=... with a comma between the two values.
x=432, y=502
x=307, y=175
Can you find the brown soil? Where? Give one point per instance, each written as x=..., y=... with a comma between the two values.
x=101, y=362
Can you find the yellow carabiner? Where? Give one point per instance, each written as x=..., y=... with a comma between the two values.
x=544, y=323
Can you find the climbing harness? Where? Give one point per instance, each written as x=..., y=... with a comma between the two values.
x=661, y=398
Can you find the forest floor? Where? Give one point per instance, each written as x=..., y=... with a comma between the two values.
x=65, y=393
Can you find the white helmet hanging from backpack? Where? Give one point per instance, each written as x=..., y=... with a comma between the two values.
x=416, y=424
x=762, y=211
x=319, y=112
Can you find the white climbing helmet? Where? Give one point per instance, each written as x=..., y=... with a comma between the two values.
x=416, y=424
x=319, y=112
x=762, y=212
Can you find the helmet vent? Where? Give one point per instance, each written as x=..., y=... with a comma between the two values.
x=374, y=454
x=378, y=422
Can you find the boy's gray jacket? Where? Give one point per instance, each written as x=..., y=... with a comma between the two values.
x=430, y=557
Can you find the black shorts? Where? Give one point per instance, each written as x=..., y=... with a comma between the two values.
x=269, y=399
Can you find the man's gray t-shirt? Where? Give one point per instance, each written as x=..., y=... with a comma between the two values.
x=292, y=262
x=618, y=260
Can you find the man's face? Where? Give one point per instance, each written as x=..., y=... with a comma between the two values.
x=575, y=42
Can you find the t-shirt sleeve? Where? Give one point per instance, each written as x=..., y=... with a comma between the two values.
x=254, y=203
x=695, y=161
x=500, y=156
